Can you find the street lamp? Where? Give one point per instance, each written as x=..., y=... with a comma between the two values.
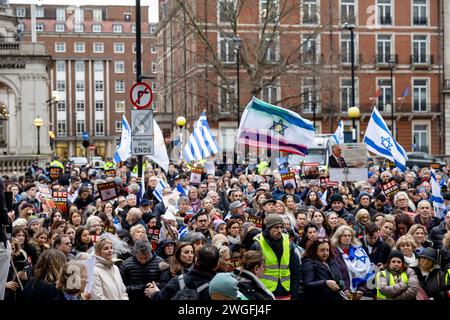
x=351, y=28
x=38, y=122
x=391, y=67
x=354, y=113
x=237, y=47
x=54, y=98
x=181, y=122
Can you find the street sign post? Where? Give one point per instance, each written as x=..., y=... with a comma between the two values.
x=141, y=95
x=142, y=132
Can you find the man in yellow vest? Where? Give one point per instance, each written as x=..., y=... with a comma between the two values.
x=281, y=264
x=398, y=282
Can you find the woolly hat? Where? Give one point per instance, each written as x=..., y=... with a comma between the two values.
x=362, y=194
x=217, y=223
x=196, y=236
x=19, y=223
x=224, y=283
x=273, y=220
x=31, y=220
x=336, y=197
x=396, y=254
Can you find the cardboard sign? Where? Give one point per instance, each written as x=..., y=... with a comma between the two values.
x=171, y=200
x=234, y=263
x=107, y=190
x=435, y=166
x=60, y=199
x=288, y=178
x=55, y=173
x=196, y=175
x=390, y=188
x=153, y=234
x=46, y=196
x=110, y=173
x=257, y=221
x=110, y=229
x=326, y=181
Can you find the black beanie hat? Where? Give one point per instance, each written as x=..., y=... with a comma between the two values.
x=396, y=254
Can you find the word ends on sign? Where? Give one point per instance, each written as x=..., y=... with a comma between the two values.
x=142, y=145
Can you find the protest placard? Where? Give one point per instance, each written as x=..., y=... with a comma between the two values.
x=60, y=199
x=196, y=175
x=46, y=196
x=390, y=188
x=288, y=178
x=55, y=173
x=107, y=190
x=257, y=221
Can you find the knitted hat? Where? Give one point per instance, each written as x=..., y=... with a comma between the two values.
x=235, y=204
x=31, y=220
x=217, y=223
x=196, y=236
x=273, y=220
x=226, y=284
x=336, y=197
x=396, y=254
x=429, y=253
x=19, y=223
x=362, y=194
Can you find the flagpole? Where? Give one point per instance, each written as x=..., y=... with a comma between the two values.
x=391, y=67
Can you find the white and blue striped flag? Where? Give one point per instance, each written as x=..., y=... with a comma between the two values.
x=380, y=141
x=159, y=190
x=201, y=143
x=436, y=198
x=338, y=136
x=323, y=198
x=123, y=150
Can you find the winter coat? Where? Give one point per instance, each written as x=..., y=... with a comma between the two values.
x=315, y=274
x=193, y=279
x=340, y=264
x=433, y=222
x=445, y=257
x=251, y=287
x=380, y=252
x=166, y=276
x=40, y=291
x=400, y=291
x=108, y=284
x=136, y=276
x=159, y=210
x=437, y=235
x=81, y=204
x=434, y=284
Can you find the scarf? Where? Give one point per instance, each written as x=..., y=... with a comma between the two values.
x=358, y=266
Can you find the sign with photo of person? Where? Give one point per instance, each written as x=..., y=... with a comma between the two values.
x=46, y=196
x=107, y=190
x=196, y=175
x=60, y=200
x=288, y=177
x=348, y=162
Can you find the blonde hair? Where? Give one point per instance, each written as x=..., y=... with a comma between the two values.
x=406, y=239
x=360, y=213
x=416, y=227
x=135, y=228
x=101, y=243
x=446, y=241
x=335, y=239
x=73, y=277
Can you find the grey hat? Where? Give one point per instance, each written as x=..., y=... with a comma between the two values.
x=196, y=236
x=236, y=204
x=273, y=220
x=429, y=253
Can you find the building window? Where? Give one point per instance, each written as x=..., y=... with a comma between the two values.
x=310, y=95
x=96, y=28
x=60, y=14
x=134, y=66
x=79, y=15
x=59, y=27
x=269, y=11
x=80, y=127
x=227, y=96
x=270, y=94
x=119, y=66
x=98, y=47
x=420, y=138
x=40, y=27
x=154, y=68
x=346, y=93
x=79, y=66
x=420, y=16
x=154, y=86
x=118, y=126
x=61, y=128
x=98, y=66
x=227, y=11
x=97, y=15
x=98, y=85
x=272, y=50
x=39, y=12
x=60, y=47
x=420, y=45
x=119, y=47
x=153, y=49
x=348, y=9
x=21, y=27
x=79, y=47
x=384, y=48
x=133, y=28
x=310, y=15
x=120, y=86
x=385, y=94
x=61, y=106
x=420, y=98
x=78, y=27
x=60, y=66
x=79, y=86
x=152, y=28
x=309, y=47
x=20, y=12
x=346, y=48
x=99, y=105
x=120, y=106
x=384, y=8
x=61, y=85
x=79, y=106
x=117, y=28
x=227, y=49
x=99, y=128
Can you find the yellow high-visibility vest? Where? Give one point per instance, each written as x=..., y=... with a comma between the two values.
x=391, y=281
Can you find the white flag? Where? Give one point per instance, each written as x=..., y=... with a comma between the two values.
x=160, y=154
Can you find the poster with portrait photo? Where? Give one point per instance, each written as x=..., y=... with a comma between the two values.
x=348, y=162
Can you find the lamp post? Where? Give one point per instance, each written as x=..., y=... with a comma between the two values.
x=38, y=122
x=181, y=122
x=351, y=28
x=391, y=67
x=353, y=113
x=237, y=47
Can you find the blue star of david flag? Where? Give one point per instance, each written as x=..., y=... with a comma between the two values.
x=380, y=141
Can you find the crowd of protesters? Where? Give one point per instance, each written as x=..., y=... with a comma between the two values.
x=241, y=233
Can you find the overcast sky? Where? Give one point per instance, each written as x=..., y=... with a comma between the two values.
x=153, y=12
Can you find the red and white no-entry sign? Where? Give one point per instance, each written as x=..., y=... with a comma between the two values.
x=141, y=95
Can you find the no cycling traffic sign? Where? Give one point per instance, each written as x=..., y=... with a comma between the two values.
x=141, y=95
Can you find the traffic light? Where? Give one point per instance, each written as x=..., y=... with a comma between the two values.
x=85, y=143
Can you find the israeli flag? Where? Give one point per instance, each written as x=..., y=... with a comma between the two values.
x=338, y=136
x=380, y=141
x=123, y=150
x=323, y=198
x=159, y=189
x=201, y=143
x=436, y=198
x=358, y=265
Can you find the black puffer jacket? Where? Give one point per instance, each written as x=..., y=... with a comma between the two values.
x=434, y=284
x=135, y=276
x=251, y=287
x=437, y=235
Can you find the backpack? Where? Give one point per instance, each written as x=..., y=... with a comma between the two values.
x=188, y=294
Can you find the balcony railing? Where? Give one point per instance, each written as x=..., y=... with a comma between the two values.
x=447, y=85
x=385, y=20
x=346, y=60
x=420, y=21
x=382, y=61
x=419, y=61
x=310, y=19
x=17, y=48
x=350, y=19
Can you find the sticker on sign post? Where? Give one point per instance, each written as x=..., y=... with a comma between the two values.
x=141, y=95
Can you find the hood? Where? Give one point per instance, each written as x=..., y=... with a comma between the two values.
x=248, y=276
